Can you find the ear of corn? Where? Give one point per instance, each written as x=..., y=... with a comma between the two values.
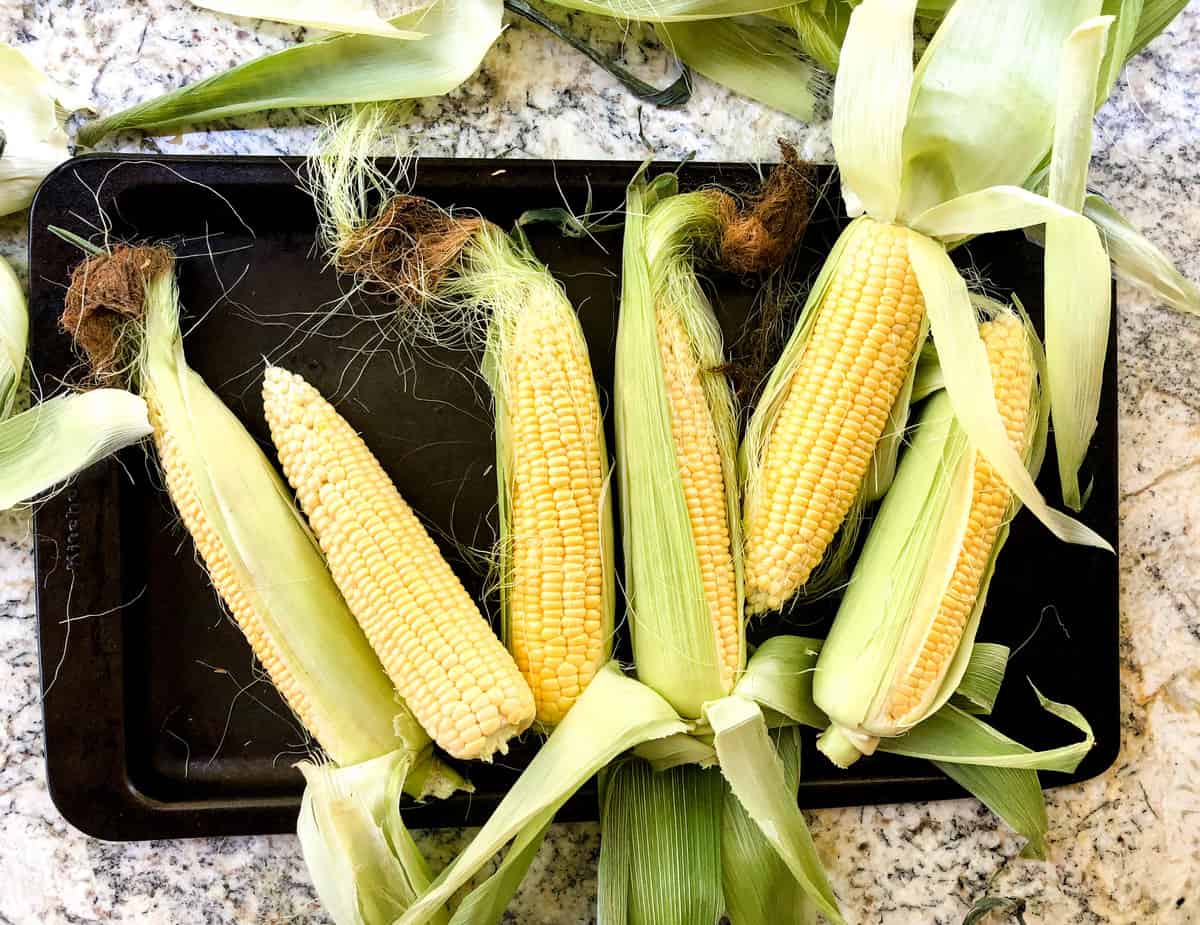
x=676, y=448
x=262, y=560
x=439, y=651
x=556, y=540
x=813, y=435
x=903, y=633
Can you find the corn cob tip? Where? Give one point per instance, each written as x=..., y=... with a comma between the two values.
x=844, y=747
x=448, y=666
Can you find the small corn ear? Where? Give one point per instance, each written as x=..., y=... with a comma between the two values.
x=260, y=556
x=904, y=631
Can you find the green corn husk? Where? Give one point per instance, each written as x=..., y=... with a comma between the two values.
x=759, y=888
x=995, y=769
x=655, y=824
x=754, y=57
x=901, y=577
x=14, y=337
x=357, y=17
x=330, y=71
x=32, y=138
x=62, y=436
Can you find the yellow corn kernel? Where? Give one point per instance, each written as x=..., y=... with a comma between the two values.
x=447, y=664
x=1012, y=376
x=698, y=456
x=556, y=597
x=836, y=407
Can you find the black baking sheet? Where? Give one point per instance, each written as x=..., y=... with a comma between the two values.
x=155, y=725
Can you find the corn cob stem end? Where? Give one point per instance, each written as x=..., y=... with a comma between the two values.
x=845, y=746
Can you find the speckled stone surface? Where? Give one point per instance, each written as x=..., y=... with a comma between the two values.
x=1124, y=847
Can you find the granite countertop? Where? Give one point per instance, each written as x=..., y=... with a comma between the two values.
x=1124, y=847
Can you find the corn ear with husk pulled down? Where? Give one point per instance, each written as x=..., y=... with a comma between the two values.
x=904, y=631
x=556, y=564
x=330, y=71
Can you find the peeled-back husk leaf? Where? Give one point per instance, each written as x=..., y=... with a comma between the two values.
x=759, y=888
x=364, y=864
x=870, y=103
x=335, y=70
x=968, y=379
x=34, y=142
x=753, y=57
x=1126, y=16
x=983, y=98
x=757, y=779
x=660, y=845
x=14, y=337
x=60, y=437
x=1077, y=285
x=980, y=685
x=614, y=714
x=274, y=557
x=358, y=17
x=674, y=642
x=670, y=10
x=1139, y=262
x=1005, y=780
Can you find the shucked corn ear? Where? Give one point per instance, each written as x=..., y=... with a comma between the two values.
x=447, y=664
x=676, y=447
x=556, y=556
x=905, y=628
x=260, y=556
x=811, y=440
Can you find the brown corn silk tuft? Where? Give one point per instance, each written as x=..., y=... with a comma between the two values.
x=761, y=235
x=1012, y=375
x=408, y=248
x=105, y=291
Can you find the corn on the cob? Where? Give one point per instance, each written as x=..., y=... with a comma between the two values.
x=261, y=558
x=919, y=586
x=934, y=648
x=701, y=469
x=823, y=431
x=675, y=433
x=556, y=560
x=439, y=651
